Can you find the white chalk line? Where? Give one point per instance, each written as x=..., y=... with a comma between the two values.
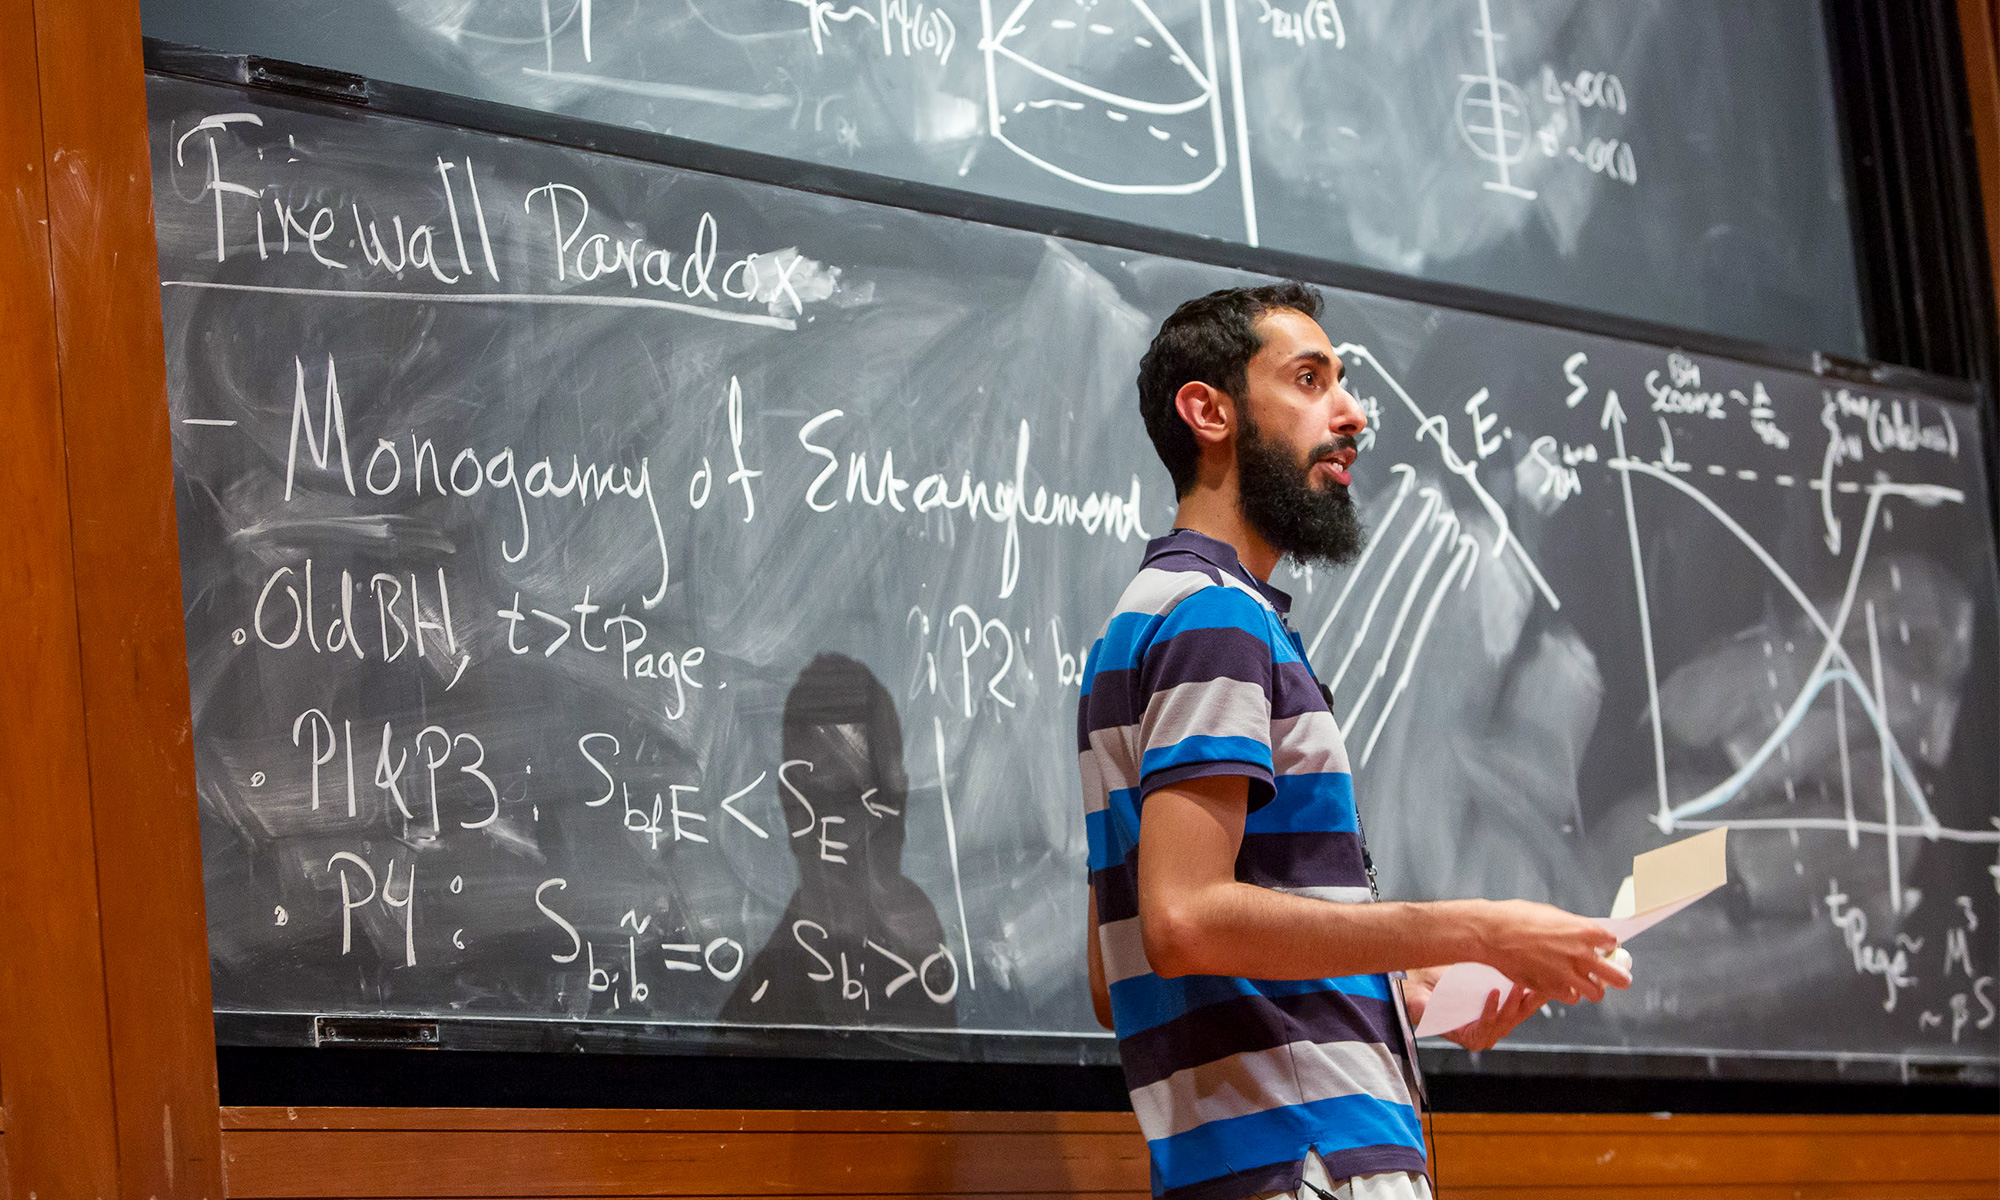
x=1409, y=478
x=1431, y=499
x=1468, y=548
x=951, y=843
x=750, y=101
x=1840, y=825
x=1615, y=414
x=1446, y=522
x=694, y=310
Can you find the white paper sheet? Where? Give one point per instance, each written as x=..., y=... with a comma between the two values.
x=1627, y=928
x=1460, y=996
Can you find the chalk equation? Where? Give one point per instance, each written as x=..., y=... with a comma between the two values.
x=542, y=658
x=1499, y=122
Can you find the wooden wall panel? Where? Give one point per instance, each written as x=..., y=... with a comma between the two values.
x=1716, y=1156
x=55, y=1070
x=386, y=1153
x=294, y=1154
x=106, y=1039
x=126, y=554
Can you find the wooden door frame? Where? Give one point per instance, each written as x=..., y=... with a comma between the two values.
x=107, y=1044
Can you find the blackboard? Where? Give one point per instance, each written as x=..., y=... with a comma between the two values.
x=530, y=554
x=1671, y=160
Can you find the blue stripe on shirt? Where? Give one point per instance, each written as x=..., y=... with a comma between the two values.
x=1282, y=1135
x=1124, y=641
x=1322, y=802
x=1228, y=608
x=1112, y=831
x=1129, y=635
x=1201, y=748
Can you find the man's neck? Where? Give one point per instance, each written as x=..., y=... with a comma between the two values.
x=1211, y=512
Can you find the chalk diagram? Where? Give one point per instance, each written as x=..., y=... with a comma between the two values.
x=1105, y=95
x=1430, y=529
x=1432, y=514
x=1422, y=550
x=1492, y=114
x=1120, y=97
x=1906, y=811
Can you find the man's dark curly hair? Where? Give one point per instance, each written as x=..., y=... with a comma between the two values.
x=1211, y=340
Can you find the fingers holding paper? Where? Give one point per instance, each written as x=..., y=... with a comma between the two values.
x=1475, y=992
x=1566, y=957
x=1474, y=998
x=1558, y=954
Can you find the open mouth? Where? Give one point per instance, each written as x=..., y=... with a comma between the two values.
x=1337, y=466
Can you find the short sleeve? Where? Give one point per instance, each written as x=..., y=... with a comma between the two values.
x=1206, y=683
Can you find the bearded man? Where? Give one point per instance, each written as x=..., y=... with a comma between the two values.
x=1262, y=995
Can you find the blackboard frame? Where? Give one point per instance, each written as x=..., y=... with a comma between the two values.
x=304, y=1077
x=305, y=88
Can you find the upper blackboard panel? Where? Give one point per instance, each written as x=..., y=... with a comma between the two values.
x=617, y=594
x=1669, y=160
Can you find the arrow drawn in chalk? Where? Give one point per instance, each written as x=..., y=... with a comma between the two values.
x=1614, y=419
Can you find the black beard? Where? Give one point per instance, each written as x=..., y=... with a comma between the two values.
x=1311, y=524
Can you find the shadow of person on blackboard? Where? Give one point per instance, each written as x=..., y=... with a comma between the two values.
x=860, y=943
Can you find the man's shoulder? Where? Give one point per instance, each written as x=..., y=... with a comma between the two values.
x=1179, y=625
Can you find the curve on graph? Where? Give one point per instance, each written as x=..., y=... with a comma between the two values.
x=1847, y=672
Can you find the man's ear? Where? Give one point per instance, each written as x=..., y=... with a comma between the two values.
x=1208, y=411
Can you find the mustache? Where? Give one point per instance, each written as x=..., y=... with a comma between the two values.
x=1326, y=450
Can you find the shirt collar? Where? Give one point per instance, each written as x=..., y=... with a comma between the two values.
x=1220, y=554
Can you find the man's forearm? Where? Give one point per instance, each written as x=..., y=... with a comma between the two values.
x=1231, y=928
x=1196, y=918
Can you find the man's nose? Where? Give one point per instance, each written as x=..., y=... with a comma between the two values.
x=1348, y=419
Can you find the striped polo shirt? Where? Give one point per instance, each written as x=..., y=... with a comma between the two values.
x=1235, y=1080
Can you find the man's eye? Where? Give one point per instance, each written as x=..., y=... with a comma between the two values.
x=1307, y=378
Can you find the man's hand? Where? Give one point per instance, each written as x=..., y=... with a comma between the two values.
x=1555, y=954
x=1498, y=1020
x=1418, y=983
x=1501, y=1017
